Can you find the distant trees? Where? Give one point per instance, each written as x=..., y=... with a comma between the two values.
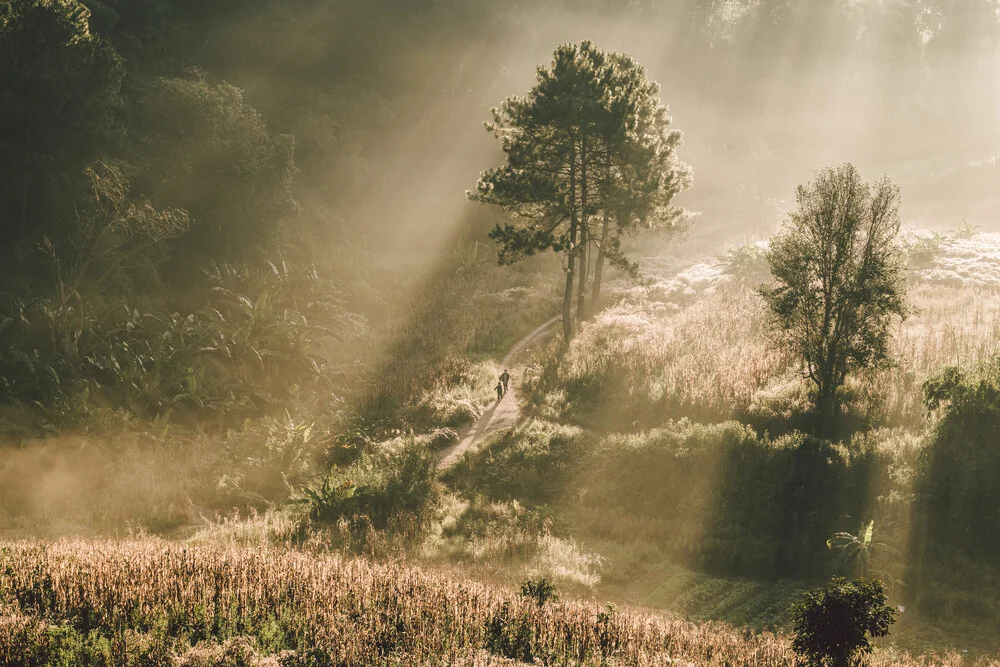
x=839, y=279
x=210, y=153
x=832, y=623
x=589, y=157
x=59, y=98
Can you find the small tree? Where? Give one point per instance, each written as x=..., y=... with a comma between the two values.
x=839, y=279
x=832, y=623
x=541, y=590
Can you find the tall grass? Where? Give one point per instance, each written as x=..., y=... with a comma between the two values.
x=641, y=363
x=645, y=361
x=119, y=599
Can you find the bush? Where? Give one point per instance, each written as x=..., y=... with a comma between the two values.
x=246, y=348
x=540, y=590
x=530, y=463
x=832, y=623
x=381, y=486
x=959, y=470
x=722, y=497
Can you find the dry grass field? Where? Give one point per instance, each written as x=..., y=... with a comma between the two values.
x=695, y=345
x=158, y=603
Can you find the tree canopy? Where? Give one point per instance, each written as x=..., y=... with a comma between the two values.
x=832, y=623
x=589, y=156
x=839, y=280
x=60, y=95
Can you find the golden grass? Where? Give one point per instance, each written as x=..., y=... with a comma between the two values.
x=713, y=359
x=704, y=361
x=346, y=611
x=951, y=325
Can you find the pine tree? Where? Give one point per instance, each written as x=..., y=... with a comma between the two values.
x=588, y=150
x=640, y=172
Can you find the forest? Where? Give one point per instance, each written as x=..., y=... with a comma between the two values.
x=262, y=266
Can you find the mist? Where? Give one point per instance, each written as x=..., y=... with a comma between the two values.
x=763, y=92
x=256, y=300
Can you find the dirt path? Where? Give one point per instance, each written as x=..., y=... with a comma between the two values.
x=506, y=412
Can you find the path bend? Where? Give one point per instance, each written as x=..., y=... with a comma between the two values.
x=503, y=414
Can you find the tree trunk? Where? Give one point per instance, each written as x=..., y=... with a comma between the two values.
x=595, y=297
x=571, y=253
x=581, y=305
x=24, y=206
x=826, y=406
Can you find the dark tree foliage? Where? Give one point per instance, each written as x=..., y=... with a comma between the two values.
x=832, y=624
x=839, y=280
x=59, y=100
x=207, y=151
x=957, y=487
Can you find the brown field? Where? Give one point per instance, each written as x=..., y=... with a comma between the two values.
x=279, y=607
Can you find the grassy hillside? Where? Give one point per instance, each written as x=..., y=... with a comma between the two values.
x=669, y=442
x=245, y=302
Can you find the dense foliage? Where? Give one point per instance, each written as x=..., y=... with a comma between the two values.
x=958, y=468
x=839, y=281
x=832, y=624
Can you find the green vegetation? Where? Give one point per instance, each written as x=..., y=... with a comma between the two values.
x=541, y=591
x=589, y=143
x=832, y=624
x=839, y=280
x=244, y=308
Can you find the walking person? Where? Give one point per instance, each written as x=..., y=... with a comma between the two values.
x=505, y=378
x=499, y=389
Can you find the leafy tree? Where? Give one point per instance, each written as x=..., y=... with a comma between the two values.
x=839, y=279
x=210, y=153
x=832, y=623
x=59, y=99
x=590, y=138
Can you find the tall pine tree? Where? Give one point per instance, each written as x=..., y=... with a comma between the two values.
x=589, y=156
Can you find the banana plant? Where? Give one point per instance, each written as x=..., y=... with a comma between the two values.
x=858, y=549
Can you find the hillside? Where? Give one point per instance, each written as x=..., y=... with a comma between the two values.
x=261, y=266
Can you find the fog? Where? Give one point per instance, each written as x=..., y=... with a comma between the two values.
x=765, y=92
x=289, y=362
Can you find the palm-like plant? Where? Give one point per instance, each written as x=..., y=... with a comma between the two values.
x=858, y=549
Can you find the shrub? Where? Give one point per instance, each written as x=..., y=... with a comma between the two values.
x=722, y=497
x=832, y=623
x=530, y=463
x=540, y=590
x=959, y=468
x=381, y=486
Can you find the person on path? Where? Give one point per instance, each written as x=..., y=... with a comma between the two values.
x=499, y=389
x=505, y=378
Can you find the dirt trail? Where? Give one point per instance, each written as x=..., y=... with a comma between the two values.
x=506, y=412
